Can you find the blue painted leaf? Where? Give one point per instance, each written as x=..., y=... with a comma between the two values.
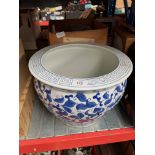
x=101, y=110
x=68, y=96
x=106, y=96
x=116, y=95
x=119, y=88
x=57, y=108
x=80, y=115
x=69, y=103
x=81, y=97
x=107, y=101
x=81, y=107
x=67, y=109
x=90, y=104
x=73, y=116
x=48, y=91
x=97, y=110
x=96, y=96
x=49, y=98
x=59, y=100
x=62, y=113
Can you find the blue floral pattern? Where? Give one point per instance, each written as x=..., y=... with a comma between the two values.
x=79, y=107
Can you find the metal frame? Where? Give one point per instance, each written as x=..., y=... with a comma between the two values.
x=76, y=140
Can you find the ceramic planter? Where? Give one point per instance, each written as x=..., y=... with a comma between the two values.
x=78, y=83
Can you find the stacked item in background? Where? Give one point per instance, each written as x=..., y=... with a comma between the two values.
x=28, y=32
x=73, y=10
x=122, y=148
x=84, y=9
x=79, y=9
x=120, y=8
x=54, y=13
x=48, y=13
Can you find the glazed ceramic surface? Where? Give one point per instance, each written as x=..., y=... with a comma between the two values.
x=78, y=83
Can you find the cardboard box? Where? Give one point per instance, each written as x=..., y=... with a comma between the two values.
x=123, y=39
x=92, y=31
x=120, y=3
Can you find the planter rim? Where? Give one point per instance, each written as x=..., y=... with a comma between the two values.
x=118, y=75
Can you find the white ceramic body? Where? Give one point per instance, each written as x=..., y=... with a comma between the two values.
x=79, y=108
x=74, y=98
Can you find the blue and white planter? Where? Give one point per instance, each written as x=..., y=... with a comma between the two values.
x=80, y=101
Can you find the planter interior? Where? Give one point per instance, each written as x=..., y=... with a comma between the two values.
x=80, y=62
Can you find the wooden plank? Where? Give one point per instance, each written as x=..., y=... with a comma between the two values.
x=23, y=68
x=23, y=74
x=25, y=107
x=24, y=94
x=21, y=49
